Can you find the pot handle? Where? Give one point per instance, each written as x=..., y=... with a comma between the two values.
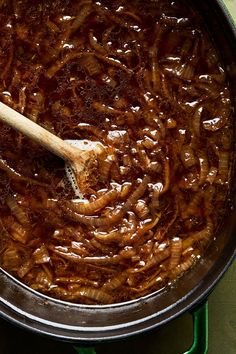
x=200, y=330
x=200, y=333
x=84, y=350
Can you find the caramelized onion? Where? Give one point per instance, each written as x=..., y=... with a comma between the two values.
x=155, y=259
x=223, y=168
x=184, y=266
x=115, y=282
x=18, y=232
x=187, y=156
x=204, y=167
x=176, y=250
x=89, y=208
x=17, y=211
x=197, y=120
x=204, y=234
x=95, y=45
x=97, y=295
x=115, y=216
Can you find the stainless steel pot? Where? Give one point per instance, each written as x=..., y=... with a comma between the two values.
x=71, y=322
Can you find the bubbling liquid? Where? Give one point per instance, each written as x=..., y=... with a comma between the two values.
x=144, y=79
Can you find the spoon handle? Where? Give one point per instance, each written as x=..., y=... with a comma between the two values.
x=38, y=134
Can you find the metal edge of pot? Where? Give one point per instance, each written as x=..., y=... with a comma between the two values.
x=70, y=322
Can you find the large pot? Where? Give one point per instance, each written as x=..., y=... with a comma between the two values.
x=72, y=322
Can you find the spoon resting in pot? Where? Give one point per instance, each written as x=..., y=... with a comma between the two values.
x=80, y=156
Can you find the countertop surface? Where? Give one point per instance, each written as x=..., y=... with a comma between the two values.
x=231, y=5
x=174, y=338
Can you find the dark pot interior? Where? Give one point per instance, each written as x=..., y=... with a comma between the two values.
x=71, y=322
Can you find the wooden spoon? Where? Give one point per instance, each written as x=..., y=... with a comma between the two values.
x=80, y=162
